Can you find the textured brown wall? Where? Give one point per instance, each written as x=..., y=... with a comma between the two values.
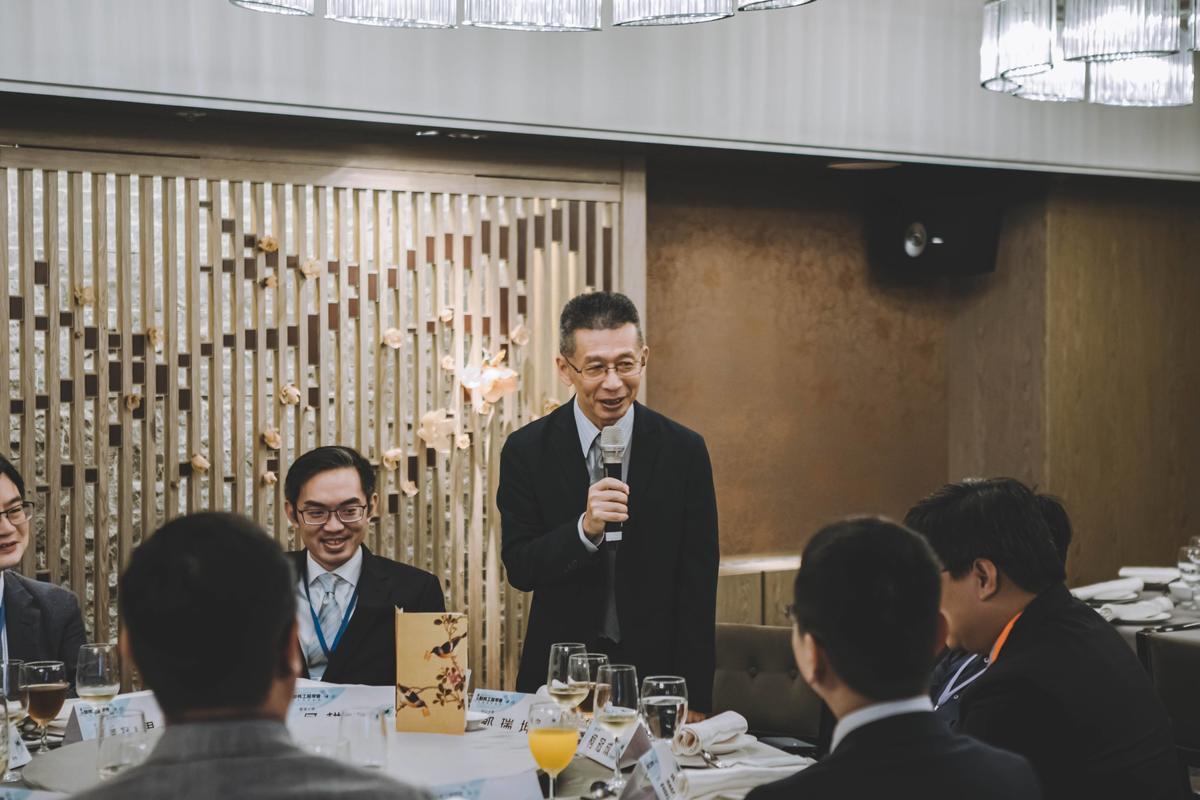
x=819, y=393
x=1123, y=370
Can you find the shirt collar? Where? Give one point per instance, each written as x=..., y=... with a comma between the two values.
x=588, y=432
x=875, y=712
x=349, y=571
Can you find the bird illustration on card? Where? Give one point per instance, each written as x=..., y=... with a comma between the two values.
x=431, y=672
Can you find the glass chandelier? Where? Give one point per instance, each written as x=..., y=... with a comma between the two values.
x=1026, y=39
x=1110, y=30
x=765, y=5
x=669, y=12
x=294, y=7
x=1159, y=82
x=533, y=15
x=394, y=13
x=990, y=76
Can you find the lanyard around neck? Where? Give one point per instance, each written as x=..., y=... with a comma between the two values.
x=326, y=648
x=953, y=687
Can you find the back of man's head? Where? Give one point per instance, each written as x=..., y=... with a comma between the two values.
x=1057, y=519
x=998, y=519
x=208, y=609
x=867, y=592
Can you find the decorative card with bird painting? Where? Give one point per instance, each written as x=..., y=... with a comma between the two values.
x=431, y=672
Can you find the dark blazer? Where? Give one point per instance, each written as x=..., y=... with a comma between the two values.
x=910, y=755
x=1069, y=694
x=42, y=622
x=945, y=671
x=367, y=651
x=666, y=567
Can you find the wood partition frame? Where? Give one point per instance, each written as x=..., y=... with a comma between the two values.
x=187, y=313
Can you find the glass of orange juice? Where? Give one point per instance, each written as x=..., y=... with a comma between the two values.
x=553, y=738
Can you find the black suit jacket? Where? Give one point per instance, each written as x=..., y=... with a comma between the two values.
x=909, y=756
x=42, y=622
x=666, y=567
x=1069, y=694
x=367, y=651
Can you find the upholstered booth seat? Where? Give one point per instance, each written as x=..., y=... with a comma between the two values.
x=756, y=676
x=1173, y=660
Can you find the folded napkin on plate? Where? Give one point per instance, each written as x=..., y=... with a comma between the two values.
x=735, y=782
x=1150, y=574
x=1121, y=585
x=1132, y=612
x=724, y=728
x=747, y=758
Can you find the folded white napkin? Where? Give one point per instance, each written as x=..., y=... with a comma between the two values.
x=1143, y=609
x=1150, y=574
x=710, y=733
x=735, y=782
x=1121, y=585
x=747, y=758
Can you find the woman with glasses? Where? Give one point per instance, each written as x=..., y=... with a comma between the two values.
x=347, y=595
x=38, y=621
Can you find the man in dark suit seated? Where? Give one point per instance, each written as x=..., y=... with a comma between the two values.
x=346, y=595
x=208, y=616
x=651, y=601
x=41, y=621
x=958, y=668
x=1063, y=689
x=866, y=628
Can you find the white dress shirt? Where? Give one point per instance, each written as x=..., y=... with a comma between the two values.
x=875, y=712
x=587, y=434
x=349, y=572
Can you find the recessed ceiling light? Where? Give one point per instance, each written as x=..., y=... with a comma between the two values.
x=862, y=166
x=430, y=132
x=474, y=137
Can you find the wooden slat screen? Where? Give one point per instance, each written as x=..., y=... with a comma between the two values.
x=174, y=338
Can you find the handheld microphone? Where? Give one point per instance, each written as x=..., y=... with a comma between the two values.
x=612, y=448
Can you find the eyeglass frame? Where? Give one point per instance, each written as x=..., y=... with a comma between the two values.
x=302, y=514
x=641, y=365
x=26, y=506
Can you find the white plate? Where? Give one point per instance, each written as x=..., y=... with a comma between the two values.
x=1115, y=597
x=1159, y=617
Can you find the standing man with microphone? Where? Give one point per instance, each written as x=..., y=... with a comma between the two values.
x=609, y=515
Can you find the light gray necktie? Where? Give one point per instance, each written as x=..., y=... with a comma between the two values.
x=610, y=628
x=329, y=616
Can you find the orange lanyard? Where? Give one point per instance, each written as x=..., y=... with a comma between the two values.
x=1003, y=638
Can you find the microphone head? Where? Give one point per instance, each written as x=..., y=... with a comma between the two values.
x=612, y=443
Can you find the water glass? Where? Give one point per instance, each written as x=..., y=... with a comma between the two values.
x=364, y=730
x=664, y=705
x=1189, y=567
x=123, y=742
x=617, y=709
x=328, y=747
x=558, y=674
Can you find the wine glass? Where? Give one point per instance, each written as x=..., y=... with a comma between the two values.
x=98, y=674
x=1189, y=569
x=122, y=741
x=46, y=684
x=582, y=672
x=558, y=675
x=15, y=700
x=553, y=737
x=664, y=705
x=616, y=707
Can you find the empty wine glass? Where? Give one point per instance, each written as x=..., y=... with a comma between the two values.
x=664, y=705
x=98, y=674
x=46, y=684
x=582, y=673
x=616, y=709
x=558, y=675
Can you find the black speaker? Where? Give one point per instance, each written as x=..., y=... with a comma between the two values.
x=914, y=236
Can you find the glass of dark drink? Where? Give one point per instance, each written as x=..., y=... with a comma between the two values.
x=46, y=684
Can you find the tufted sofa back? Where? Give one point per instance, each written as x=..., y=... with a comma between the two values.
x=757, y=677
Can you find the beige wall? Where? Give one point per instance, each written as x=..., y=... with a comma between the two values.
x=820, y=394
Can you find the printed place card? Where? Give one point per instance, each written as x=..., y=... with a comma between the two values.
x=662, y=772
x=431, y=672
x=522, y=786
x=597, y=744
x=507, y=712
x=317, y=705
x=84, y=722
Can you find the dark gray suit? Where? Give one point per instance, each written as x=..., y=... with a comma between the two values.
x=42, y=622
x=244, y=759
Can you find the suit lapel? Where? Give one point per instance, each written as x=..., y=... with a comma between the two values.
x=23, y=619
x=647, y=445
x=568, y=455
x=374, y=600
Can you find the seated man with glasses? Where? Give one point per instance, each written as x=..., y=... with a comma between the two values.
x=38, y=621
x=651, y=600
x=347, y=595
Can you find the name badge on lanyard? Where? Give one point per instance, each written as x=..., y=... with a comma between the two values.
x=325, y=648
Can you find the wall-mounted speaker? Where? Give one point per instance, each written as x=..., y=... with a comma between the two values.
x=912, y=236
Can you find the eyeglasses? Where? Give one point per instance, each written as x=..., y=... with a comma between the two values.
x=19, y=515
x=319, y=516
x=625, y=368
x=789, y=611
